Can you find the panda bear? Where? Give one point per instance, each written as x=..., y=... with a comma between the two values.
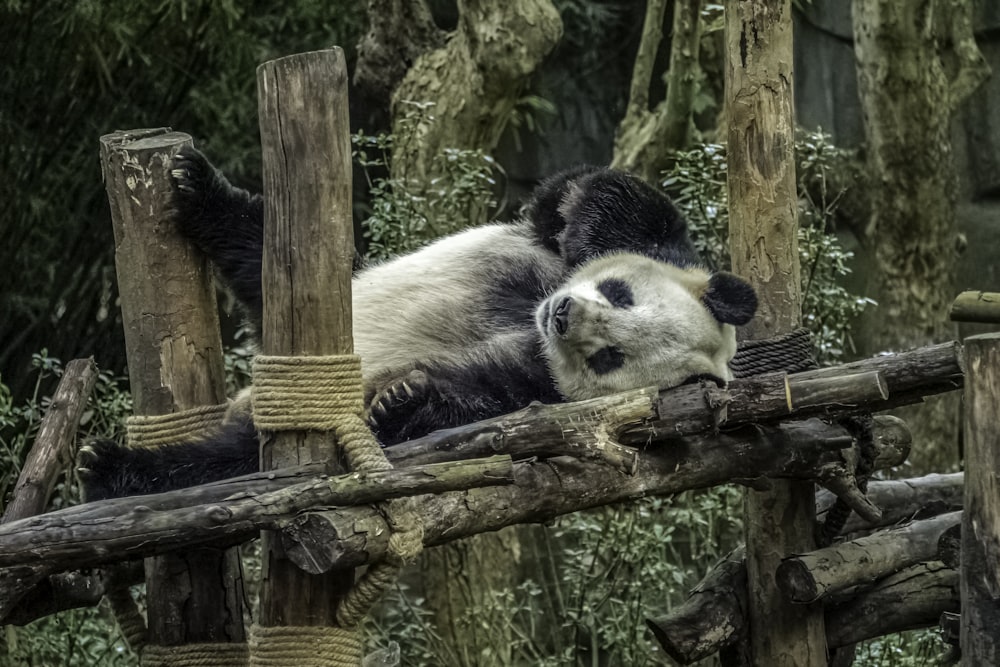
x=595, y=288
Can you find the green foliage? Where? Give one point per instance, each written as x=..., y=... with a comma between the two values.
x=402, y=219
x=74, y=70
x=610, y=567
x=697, y=184
x=916, y=648
x=80, y=637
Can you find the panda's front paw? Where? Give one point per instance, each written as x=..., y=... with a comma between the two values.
x=391, y=408
x=191, y=172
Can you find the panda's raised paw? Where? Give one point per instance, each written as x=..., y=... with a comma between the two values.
x=399, y=396
x=191, y=171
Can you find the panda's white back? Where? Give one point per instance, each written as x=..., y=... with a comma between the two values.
x=441, y=301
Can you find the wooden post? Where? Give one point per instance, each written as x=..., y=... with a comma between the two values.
x=980, y=559
x=308, y=247
x=174, y=354
x=763, y=239
x=54, y=443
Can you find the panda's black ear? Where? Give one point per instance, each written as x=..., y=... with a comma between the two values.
x=543, y=209
x=730, y=299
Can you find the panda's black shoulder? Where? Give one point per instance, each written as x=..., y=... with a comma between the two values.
x=587, y=211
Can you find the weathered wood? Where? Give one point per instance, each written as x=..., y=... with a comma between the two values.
x=913, y=598
x=53, y=446
x=809, y=577
x=70, y=590
x=980, y=638
x=909, y=599
x=101, y=532
x=693, y=409
x=763, y=237
x=306, y=279
x=901, y=500
x=542, y=490
x=174, y=352
x=713, y=613
x=976, y=307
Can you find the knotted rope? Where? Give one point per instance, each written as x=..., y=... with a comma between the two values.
x=324, y=393
x=155, y=430
x=196, y=655
x=791, y=353
x=142, y=431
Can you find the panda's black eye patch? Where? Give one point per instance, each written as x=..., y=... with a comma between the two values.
x=605, y=360
x=617, y=292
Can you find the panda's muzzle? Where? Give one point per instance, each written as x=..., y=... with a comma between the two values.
x=560, y=315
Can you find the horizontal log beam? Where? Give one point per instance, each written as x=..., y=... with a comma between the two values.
x=809, y=577
x=912, y=598
x=976, y=307
x=100, y=533
x=901, y=500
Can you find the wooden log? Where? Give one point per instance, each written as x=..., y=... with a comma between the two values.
x=976, y=307
x=902, y=500
x=910, y=599
x=103, y=533
x=542, y=490
x=980, y=639
x=907, y=377
x=53, y=446
x=174, y=353
x=713, y=613
x=306, y=278
x=809, y=577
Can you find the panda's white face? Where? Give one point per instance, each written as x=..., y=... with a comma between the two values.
x=624, y=321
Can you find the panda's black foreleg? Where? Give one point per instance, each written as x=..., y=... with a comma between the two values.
x=223, y=221
x=487, y=383
x=110, y=470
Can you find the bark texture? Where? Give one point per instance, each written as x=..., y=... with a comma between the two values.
x=175, y=363
x=646, y=137
x=306, y=281
x=472, y=84
x=763, y=239
x=916, y=63
x=980, y=558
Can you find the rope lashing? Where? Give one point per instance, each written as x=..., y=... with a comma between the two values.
x=296, y=646
x=305, y=393
x=156, y=430
x=791, y=353
x=142, y=431
x=196, y=655
x=324, y=393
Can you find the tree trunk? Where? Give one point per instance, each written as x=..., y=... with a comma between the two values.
x=764, y=245
x=473, y=83
x=917, y=61
x=645, y=138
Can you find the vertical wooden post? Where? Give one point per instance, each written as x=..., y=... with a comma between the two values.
x=763, y=239
x=308, y=247
x=175, y=363
x=980, y=561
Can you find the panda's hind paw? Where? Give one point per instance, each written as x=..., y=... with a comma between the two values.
x=98, y=466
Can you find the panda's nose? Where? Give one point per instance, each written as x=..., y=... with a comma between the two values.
x=560, y=316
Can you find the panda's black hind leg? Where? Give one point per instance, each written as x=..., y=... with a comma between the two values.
x=223, y=221
x=110, y=470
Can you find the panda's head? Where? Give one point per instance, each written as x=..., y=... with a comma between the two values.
x=623, y=321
